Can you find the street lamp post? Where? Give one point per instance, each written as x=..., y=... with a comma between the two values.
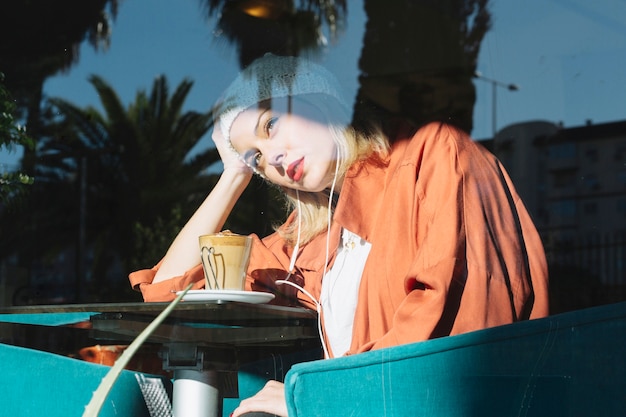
x=494, y=86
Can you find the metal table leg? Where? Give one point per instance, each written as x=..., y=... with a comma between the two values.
x=196, y=393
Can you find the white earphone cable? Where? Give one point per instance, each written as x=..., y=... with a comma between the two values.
x=294, y=255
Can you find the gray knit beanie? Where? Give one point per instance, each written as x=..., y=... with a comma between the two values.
x=269, y=77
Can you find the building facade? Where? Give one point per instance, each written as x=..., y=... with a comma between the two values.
x=573, y=181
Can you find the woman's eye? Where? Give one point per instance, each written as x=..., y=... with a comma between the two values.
x=252, y=158
x=269, y=125
x=256, y=160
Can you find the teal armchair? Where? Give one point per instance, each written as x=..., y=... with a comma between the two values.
x=571, y=364
x=36, y=384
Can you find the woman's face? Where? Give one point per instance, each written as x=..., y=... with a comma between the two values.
x=288, y=142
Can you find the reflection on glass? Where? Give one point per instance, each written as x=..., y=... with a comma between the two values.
x=561, y=135
x=282, y=27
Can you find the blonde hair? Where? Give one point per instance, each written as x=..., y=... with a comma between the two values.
x=353, y=146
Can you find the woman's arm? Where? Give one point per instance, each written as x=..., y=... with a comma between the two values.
x=210, y=217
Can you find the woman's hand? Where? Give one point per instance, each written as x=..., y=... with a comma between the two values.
x=229, y=156
x=210, y=217
x=271, y=399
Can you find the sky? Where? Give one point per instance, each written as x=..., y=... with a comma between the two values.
x=568, y=58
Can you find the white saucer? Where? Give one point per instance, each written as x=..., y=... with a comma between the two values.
x=252, y=297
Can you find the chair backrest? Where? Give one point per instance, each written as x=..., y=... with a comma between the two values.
x=571, y=364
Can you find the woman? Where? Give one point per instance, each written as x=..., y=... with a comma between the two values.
x=392, y=241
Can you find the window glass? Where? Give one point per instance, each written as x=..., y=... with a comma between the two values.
x=539, y=83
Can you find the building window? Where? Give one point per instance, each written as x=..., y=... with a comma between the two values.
x=563, y=211
x=621, y=177
x=621, y=206
x=562, y=151
x=591, y=181
x=591, y=154
x=590, y=208
x=564, y=178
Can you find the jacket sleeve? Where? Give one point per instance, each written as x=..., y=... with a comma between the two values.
x=165, y=290
x=267, y=262
x=475, y=246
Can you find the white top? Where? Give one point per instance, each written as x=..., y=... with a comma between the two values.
x=340, y=290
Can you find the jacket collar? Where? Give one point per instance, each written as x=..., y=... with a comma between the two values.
x=359, y=200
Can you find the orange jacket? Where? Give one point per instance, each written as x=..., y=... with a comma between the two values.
x=453, y=247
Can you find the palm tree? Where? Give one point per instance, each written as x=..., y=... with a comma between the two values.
x=39, y=38
x=420, y=68
x=108, y=179
x=283, y=27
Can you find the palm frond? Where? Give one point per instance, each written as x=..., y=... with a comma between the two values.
x=115, y=111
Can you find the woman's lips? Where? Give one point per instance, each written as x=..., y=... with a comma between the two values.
x=295, y=170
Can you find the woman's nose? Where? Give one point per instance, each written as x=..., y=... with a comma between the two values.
x=276, y=157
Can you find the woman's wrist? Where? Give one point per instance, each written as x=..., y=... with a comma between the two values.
x=208, y=218
x=237, y=174
x=233, y=182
